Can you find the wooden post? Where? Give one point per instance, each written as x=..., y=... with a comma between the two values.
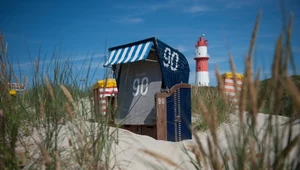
x=161, y=117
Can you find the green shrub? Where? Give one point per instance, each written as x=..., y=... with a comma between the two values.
x=287, y=108
x=212, y=98
x=52, y=108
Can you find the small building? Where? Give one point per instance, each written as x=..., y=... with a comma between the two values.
x=18, y=87
x=105, y=92
x=229, y=88
x=154, y=97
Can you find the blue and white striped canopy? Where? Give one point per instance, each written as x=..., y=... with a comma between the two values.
x=129, y=54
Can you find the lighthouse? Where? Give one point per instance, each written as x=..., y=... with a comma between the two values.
x=201, y=57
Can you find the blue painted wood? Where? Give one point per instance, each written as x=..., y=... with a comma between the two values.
x=179, y=105
x=174, y=66
x=174, y=69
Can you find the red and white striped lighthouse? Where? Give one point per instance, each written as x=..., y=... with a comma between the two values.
x=202, y=77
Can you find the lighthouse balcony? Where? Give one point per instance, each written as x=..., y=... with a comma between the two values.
x=199, y=55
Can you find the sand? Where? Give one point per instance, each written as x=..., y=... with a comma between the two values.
x=127, y=154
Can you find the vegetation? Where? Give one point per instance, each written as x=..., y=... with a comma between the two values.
x=54, y=110
x=212, y=99
x=50, y=112
x=288, y=105
x=249, y=146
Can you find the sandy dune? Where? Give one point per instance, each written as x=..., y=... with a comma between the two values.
x=132, y=158
x=127, y=154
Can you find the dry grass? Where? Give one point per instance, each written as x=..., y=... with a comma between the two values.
x=37, y=122
x=248, y=153
x=214, y=101
x=51, y=105
x=249, y=148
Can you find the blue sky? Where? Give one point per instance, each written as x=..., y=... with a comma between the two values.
x=83, y=29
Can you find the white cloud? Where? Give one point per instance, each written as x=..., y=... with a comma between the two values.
x=141, y=9
x=90, y=65
x=181, y=48
x=129, y=20
x=296, y=49
x=196, y=9
x=239, y=4
x=138, y=10
x=26, y=65
x=99, y=55
x=23, y=65
x=214, y=60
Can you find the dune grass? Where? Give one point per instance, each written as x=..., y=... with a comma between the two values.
x=212, y=99
x=249, y=147
x=288, y=105
x=52, y=110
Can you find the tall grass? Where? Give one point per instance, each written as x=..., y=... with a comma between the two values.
x=49, y=121
x=47, y=124
x=212, y=99
x=248, y=147
x=252, y=144
x=9, y=121
x=288, y=108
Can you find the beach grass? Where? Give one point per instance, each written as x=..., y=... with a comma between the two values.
x=212, y=99
x=55, y=111
x=250, y=144
x=51, y=110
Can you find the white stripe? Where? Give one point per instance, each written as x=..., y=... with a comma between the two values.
x=110, y=57
x=144, y=51
x=231, y=81
x=231, y=87
x=123, y=56
x=102, y=101
x=116, y=57
x=234, y=100
x=108, y=90
x=137, y=52
x=129, y=54
x=103, y=107
x=106, y=95
x=230, y=93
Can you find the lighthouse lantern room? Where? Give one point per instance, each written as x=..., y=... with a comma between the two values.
x=202, y=77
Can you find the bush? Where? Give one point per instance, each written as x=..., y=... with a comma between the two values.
x=50, y=112
x=288, y=105
x=213, y=100
x=277, y=146
x=251, y=144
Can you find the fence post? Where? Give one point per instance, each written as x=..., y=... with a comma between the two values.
x=161, y=117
